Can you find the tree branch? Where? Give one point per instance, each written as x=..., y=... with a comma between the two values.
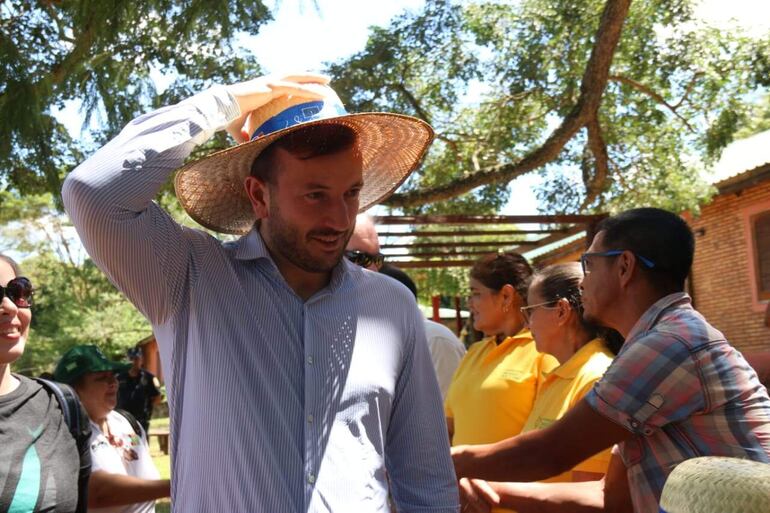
x=451, y=143
x=591, y=90
x=689, y=88
x=57, y=20
x=421, y=113
x=595, y=185
x=652, y=94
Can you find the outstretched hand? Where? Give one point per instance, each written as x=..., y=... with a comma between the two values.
x=257, y=92
x=477, y=496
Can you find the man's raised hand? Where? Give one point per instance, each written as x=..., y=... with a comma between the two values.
x=257, y=92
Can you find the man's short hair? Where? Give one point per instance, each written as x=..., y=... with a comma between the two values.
x=305, y=143
x=657, y=235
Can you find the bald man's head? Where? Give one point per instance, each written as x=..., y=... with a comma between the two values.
x=364, y=239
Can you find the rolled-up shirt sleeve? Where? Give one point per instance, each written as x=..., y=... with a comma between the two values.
x=109, y=199
x=653, y=382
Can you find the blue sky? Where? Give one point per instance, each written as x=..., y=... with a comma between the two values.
x=303, y=37
x=305, y=34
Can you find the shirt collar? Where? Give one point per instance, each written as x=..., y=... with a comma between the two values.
x=571, y=367
x=251, y=246
x=521, y=338
x=653, y=314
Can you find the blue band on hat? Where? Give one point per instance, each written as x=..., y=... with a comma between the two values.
x=297, y=114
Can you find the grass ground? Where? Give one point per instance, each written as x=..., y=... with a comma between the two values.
x=162, y=462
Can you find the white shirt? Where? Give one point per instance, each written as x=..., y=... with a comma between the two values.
x=126, y=454
x=276, y=404
x=446, y=351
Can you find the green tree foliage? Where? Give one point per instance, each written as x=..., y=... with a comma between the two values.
x=74, y=301
x=616, y=103
x=102, y=53
x=759, y=120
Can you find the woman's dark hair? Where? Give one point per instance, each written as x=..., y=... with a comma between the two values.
x=10, y=261
x=498, y=270
x=562, y=281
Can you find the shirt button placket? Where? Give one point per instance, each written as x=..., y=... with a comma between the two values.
x=311, y=396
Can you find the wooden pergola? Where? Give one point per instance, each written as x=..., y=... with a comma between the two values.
x=454, y=240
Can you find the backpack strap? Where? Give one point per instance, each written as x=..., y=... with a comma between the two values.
x=79, y=425
x=71, y=409
x=131, y=420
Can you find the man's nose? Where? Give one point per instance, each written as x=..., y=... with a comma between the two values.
x=339, y=216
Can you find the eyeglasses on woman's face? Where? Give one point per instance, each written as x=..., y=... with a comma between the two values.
x=527, y=311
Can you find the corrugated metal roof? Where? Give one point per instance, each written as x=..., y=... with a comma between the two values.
x=548, y=248
x=741, y=156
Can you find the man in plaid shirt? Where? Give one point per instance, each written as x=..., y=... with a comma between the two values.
x=676, y=390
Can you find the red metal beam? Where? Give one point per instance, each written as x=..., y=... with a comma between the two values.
x=482, y=219
x=456, y=244
x=468, y=233
x=427, y=264
x=449, y=253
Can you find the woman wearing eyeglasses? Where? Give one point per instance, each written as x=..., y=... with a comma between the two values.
x=40, y=467
x=123, y=477
x=584, y=351
x=493, y=390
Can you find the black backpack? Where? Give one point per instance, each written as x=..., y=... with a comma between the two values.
x=80, y=426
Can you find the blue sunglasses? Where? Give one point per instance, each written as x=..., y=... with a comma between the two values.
x=649, y=264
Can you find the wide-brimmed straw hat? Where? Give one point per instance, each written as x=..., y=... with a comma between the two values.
x=717, y=485
x=211, y=189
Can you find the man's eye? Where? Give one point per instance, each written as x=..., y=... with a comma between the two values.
x=314, y=195
x=353, y=193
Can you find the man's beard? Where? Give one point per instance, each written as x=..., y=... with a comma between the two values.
x=290, y=243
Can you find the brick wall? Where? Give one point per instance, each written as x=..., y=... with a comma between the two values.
x=722, y=280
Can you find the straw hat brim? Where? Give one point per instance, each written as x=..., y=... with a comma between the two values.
x=211, y=189
x=716, y=485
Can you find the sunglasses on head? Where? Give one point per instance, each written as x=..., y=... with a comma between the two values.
x=19, y=291
x=365, y=259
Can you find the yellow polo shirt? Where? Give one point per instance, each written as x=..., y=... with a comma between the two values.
x=562, y=388
x=494, y=388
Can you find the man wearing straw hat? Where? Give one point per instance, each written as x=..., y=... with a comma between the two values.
x=297, y=381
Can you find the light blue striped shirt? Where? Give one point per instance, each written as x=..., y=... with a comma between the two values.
x=276, y=404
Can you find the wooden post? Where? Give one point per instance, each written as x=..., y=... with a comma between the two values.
x=436, y=300
x=458, y=316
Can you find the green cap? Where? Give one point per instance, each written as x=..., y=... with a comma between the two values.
x=83, y=359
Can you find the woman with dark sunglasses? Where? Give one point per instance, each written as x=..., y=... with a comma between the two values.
x=40, y=463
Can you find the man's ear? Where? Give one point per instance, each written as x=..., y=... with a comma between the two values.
x=627, y=263
x=259, y=196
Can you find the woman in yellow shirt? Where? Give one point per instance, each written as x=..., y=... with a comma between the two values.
x=494, y=387
x=584, y=351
